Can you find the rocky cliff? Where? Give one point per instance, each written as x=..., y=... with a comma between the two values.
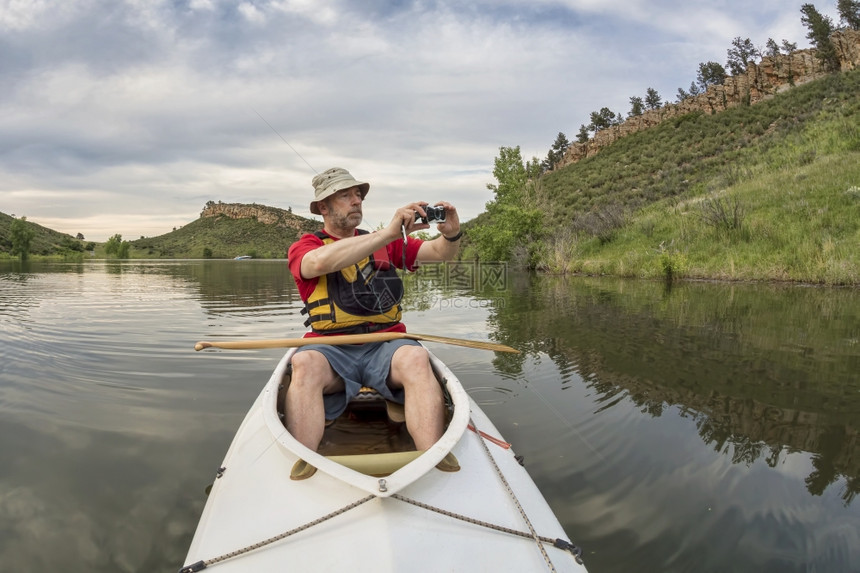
x=761, y=81
x=261, y=213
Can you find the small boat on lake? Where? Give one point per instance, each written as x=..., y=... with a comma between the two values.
x=374, y=503
x=242, y=258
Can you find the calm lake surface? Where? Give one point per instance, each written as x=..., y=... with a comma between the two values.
x=708, y=427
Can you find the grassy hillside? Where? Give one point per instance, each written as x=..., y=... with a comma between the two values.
x=206, y=237
x=224, y=237
x=45, y=241
x=769, y=191
x=763, y=192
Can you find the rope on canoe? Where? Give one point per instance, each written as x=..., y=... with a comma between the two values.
x=531, y=534
x=559, y=543
x=525, y=517
x=203, y=564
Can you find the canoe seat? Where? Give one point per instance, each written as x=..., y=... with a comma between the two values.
x=376, y=465
x=394, y=410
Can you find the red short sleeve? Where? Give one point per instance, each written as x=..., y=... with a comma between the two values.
x=306, y=243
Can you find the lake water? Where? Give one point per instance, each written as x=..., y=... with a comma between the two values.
x=703, y=427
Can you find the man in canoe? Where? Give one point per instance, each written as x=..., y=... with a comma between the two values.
x=348, y=282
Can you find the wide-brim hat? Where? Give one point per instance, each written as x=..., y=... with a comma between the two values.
x=330, y=182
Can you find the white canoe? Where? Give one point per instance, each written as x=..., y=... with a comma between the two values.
x=488, y=516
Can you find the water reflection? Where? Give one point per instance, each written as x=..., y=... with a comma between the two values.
x=650, y=419
x=763, y=371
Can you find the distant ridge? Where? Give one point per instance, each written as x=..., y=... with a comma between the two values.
x=228, y=230
x=773, y=75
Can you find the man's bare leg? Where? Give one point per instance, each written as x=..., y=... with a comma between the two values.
x=424, y=407
x=305, y=410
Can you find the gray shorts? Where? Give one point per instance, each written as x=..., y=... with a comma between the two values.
x=359, y=365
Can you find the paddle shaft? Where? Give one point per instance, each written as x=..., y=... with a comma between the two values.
x=351, y=339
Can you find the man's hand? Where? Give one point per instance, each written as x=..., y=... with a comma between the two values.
x=405, y=217
x=451, y=226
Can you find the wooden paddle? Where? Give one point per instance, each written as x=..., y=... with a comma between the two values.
x=352, y=339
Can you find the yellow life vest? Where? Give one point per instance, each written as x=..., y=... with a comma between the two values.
x=363, y=297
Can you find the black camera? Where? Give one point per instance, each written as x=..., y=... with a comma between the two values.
x=434, y=214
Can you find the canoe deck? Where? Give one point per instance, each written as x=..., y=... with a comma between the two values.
x=418, y=518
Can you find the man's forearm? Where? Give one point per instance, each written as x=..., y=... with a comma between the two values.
x=438, y=250
x=342, y=253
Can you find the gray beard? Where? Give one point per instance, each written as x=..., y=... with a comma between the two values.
x=343, y=223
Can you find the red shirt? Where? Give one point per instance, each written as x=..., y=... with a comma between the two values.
x=308, y=242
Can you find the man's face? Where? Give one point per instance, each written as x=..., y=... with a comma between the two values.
x=343, y=208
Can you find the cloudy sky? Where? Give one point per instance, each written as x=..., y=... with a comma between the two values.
x=127, y=116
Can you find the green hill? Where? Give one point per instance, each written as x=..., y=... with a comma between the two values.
x=765, y=191
x=224, y=230
x=45, y=241
x=769, y=191
x=227, y=230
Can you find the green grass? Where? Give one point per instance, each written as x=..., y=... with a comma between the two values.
x=223, y=237
x=791, y=166
x=45, y=243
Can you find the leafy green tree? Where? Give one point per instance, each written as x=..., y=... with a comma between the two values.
x=513, y=220
x=710, y=74
x=740, y=54
x=636, y=106
x=820, y=28
x=117, y=247
x=788, y=48
x=652, y=99
x=112, y=245
x=22, y=236
x=510, y=174
x=849, y=13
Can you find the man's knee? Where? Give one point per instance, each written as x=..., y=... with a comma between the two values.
x=308, y=360
x=410, y=366
x=311, y=368
x=410, y=357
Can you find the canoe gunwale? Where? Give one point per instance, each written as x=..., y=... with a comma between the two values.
x=381, y=487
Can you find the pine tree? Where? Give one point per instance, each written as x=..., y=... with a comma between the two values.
x=556, y=152
x=583, y=134
x=849, y=13
x=820, y=28
x=636, y=106
x=740, y=54
x=652, y=99
x=710, y=74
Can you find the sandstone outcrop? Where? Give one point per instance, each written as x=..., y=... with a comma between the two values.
x=262, y=213
x=761, y=81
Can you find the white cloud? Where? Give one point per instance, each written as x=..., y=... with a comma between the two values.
x=251, y=13
x=155, y=104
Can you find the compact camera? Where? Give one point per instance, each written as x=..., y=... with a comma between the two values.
x=434, y=214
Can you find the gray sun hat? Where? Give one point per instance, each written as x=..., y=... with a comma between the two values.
x=330, y=182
